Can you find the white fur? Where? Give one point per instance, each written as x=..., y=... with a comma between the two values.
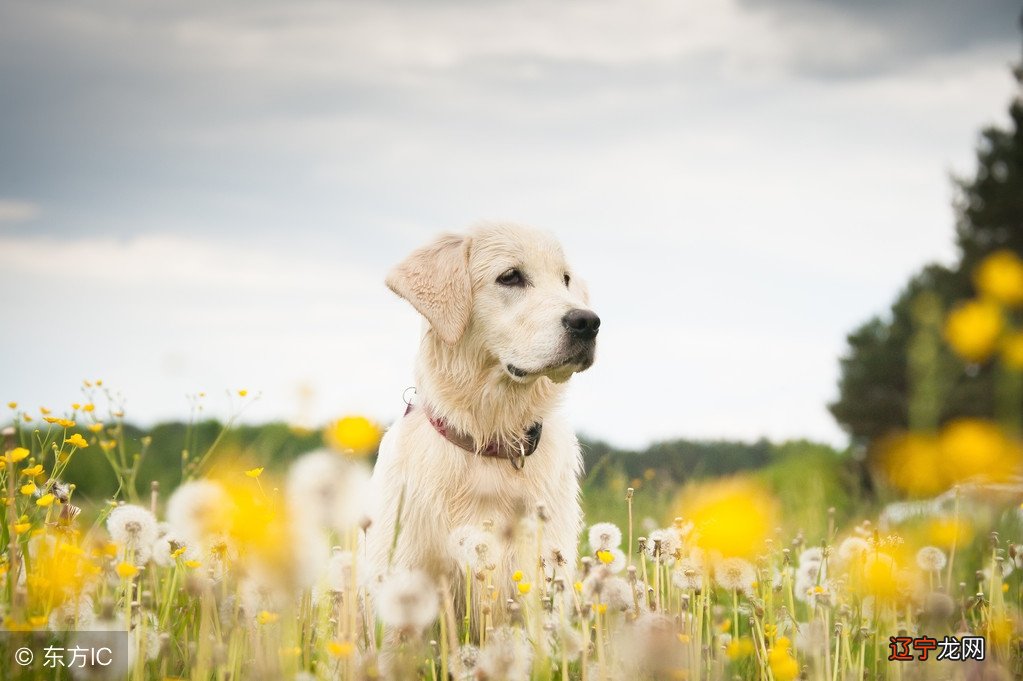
x=475, y=329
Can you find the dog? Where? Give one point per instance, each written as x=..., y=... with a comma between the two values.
x=507, y=323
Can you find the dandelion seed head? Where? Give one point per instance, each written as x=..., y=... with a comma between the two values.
x=651, y=648
x=604, y=536
x=169, y=545
x=668, y=541
x=814, y=554
x=72, y=614
x=852, y=548
x=473, y=547
x=931, y=559
x=260, y=592
x=134, y=529
x=593, y=585
x=507, y=656
x=327, y=492
x=618, y=594
x=735, y=574
x=688, y=574
x=465, y=659
x=337, y=575
x=199, y=508
x=407, y=600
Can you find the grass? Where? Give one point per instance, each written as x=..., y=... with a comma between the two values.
x=778, y=574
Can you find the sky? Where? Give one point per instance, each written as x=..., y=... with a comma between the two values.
x=206, y=196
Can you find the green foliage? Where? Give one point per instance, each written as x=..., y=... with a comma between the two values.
x=806, y=477
x=272, y=445
x=876, y=380
x=679, y=460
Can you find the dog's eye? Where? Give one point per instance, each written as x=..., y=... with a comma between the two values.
x=512, y=278
x=568, y=280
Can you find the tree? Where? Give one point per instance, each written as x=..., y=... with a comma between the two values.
x=879, y=379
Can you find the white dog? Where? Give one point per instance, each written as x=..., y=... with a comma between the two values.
x=507, y=323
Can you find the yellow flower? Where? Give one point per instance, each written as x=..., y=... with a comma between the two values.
x=1000, y=277
x=267, y=617
x=243, y=393
x=33, y=470
x=89, y=408
x=192, y=564
x=22, y=528
x=26, y=418
x=972, y=329
x=783, y=666
x=107, y=445
x=578, y=586
x=44, y=411
x=50, y=419
x=732, y=516
x=1012, y=351
x=95, y=427
x=342, y=649
x=975, y=448
x=878, y=577
x=12, y=405
x=355, y=434
x=517, y=576
x=178, y=552
x=945, y=532
x=912, y=462
x=30, y=488
x=254, y=473
x=17, y=454
x=65, y=423
x=524, y=587
x=738, y=648
x=76, y=406
x=605, y=557
x=38, y=620
x=77, y=440
x=601, y=608
x=126, y=570
x=45, y=500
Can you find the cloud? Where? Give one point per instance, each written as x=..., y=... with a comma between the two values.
x=225, y=185
x=862, y=38
x=161, y=316
x=17, y=211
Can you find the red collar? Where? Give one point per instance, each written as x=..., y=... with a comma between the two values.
x=516, y=452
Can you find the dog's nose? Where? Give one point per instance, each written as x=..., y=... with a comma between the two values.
x=581, y=323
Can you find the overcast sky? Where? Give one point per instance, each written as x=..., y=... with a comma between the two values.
x=203, y=196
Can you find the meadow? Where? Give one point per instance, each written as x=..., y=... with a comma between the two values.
x=208, y=550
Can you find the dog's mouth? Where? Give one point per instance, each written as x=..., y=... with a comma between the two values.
x=559, y=372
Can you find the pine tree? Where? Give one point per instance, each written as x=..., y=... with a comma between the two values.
x=877, y=381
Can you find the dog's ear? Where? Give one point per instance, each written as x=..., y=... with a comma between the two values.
x=435, y=279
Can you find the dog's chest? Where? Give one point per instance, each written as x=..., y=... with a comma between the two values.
x=486, y=490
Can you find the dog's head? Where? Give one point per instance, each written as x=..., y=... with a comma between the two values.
x=507, y=290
